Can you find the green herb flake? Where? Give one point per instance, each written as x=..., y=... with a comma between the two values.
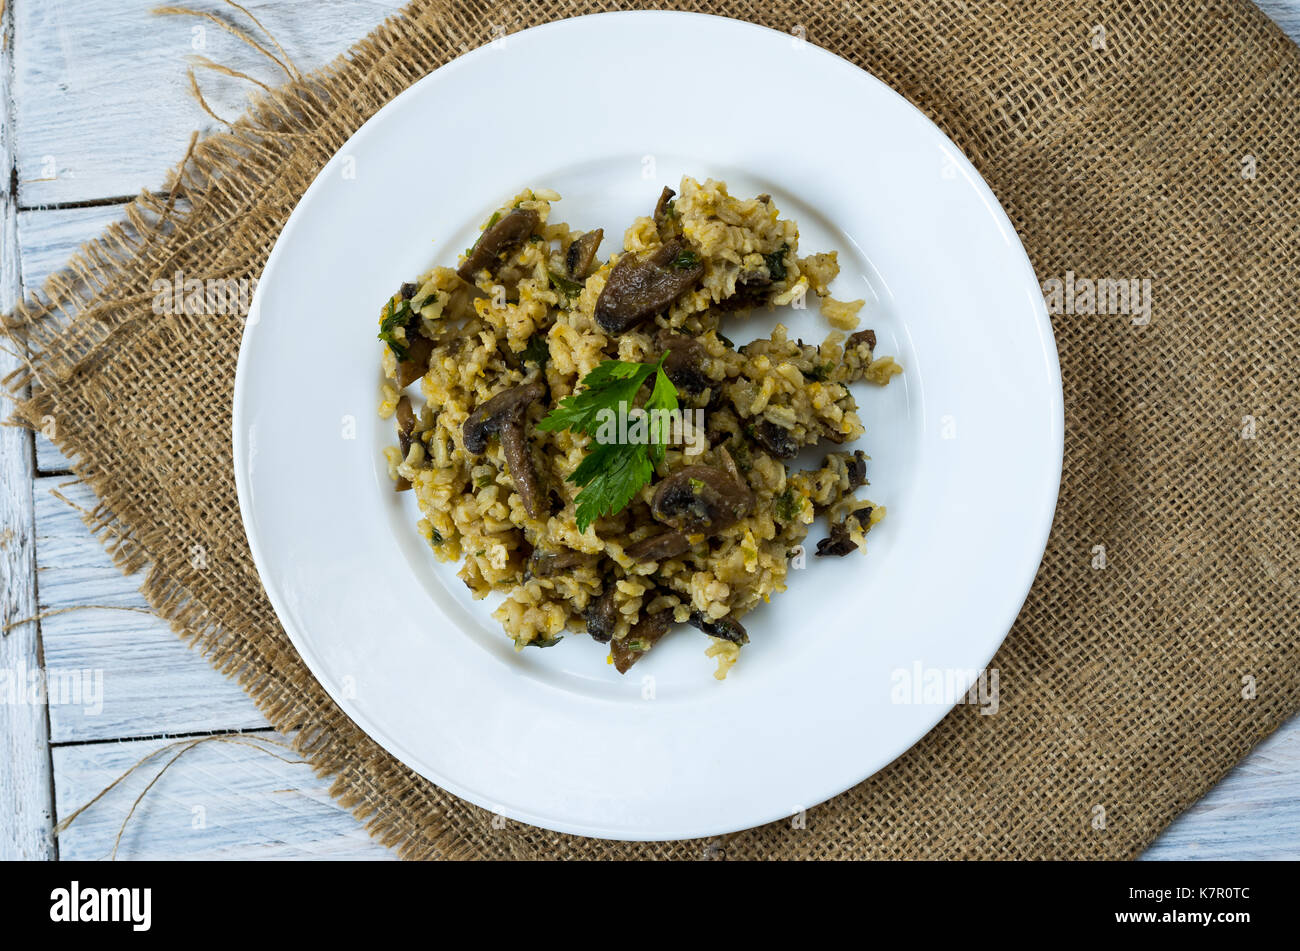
x=740, y=455
x=685, y=260
x=820, y=373
x=775, y=261
x=788, y=505
x=565, y=287
x=395, y=317
x=520, y=643
x=538, y=350
x=484, y=481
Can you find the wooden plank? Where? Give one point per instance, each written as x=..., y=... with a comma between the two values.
x=26, y=793
x=1251, y=814
x=217, y=801
x=108, y=72
x=103, y=98
x=124, y=83
x=143, y=680
x=1285, y=13
x=47, y=239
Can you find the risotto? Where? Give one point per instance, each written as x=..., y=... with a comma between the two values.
x=587, y=440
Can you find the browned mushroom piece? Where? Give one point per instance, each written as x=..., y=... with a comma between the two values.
x=701, y=499
x=510, y=358
x=667, y=224
x=839, y=542
x=602, y=615
x=546, y=564
x=661, y=206
x=644, y=635
x=777, y=439
x=751, y=291
x=510, y=232
x=659, y=547
x=683, y=361
x=726, y=627
x=503, y=415
x=405, y=427
x=833, y=435
x=581, y=256
x=418, y=351
x=867, y=337
x=642, y=285
x=857, y=469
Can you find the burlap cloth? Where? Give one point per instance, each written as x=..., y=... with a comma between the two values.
x=1130, y=140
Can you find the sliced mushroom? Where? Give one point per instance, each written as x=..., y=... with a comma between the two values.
x=857, y=469
x=405, y=427
x=775, y=439
x=867, y=337
x=510, y=358
x=503, y=415
x=581, y=256
x=602, y=616
x=545, y=564
x=833, y=435
x=642, y=285
x=644, y=635
x=661, y=206
x=726, y=627
x=751, y=291
x=418, y=351
x=682, y=365
x=701, y=499
x=659, y=547
x=667, y=224
x=510, y=232
x=839, y=543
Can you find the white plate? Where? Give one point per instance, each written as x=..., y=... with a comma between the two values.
x=966, y=445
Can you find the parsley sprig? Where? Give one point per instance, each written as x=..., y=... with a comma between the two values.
x=612, y=472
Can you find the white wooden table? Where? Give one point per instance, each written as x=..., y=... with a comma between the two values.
x=94, y=107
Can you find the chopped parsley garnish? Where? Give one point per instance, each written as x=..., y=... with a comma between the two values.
x=685, y=260
x=538, y=350
x=776, y=263
x=820, y=373
x=788, y=505
x=393, y=319
x=740, y=455
x=612, y=472
x=520, y=643
x=563, y=285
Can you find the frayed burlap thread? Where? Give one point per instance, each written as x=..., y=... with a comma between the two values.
x=1131, y=140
